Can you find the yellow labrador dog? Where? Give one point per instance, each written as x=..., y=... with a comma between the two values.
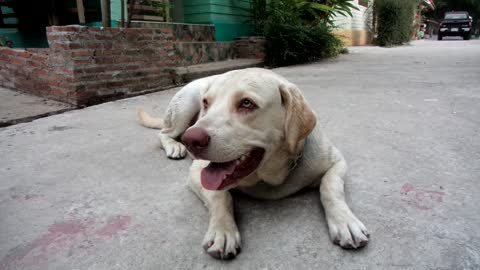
x=252, y=130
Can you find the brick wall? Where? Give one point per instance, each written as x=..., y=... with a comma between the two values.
x=87, y=65
x=109, y=63
x=249, y=47
x=36, y=71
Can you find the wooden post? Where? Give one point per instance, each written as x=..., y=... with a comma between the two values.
x=2, y=24
x=53, y=19
x=130, y=4
x=106, y=13
x=122, y=13
x=81, y=11
x=167, y=10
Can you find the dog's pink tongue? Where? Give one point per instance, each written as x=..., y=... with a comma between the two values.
x=213, y=175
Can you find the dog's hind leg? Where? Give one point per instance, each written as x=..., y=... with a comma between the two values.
x=180, y=114
x=222, y=240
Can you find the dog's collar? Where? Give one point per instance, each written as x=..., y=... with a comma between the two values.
x=296, y=160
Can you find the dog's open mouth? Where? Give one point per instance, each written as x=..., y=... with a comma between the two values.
x=218, y=175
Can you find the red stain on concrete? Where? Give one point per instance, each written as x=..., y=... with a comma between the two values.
x=420, y=198
x=63, y=237
x=19, y=253
x=114, y=226
x=407, y=188
x=58, y=234
x=68, y=228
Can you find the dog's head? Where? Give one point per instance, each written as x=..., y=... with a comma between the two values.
x=247, y=117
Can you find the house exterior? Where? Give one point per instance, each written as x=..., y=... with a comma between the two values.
x=24, y=24
x=358, y=29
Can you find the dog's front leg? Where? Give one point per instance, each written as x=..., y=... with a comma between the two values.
x=345, y=228
x=222, y=240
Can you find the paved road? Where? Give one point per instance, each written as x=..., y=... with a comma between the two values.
x=89, y=189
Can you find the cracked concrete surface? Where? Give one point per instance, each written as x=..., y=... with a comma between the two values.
x=90, y=189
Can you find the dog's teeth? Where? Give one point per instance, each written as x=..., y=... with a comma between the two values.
x=237, y=162
x=242, y=158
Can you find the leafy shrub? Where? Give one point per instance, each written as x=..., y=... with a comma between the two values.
x=309, y=11
x=324, y=10
x=293, y=44
x=394, y=21
x=290, y=40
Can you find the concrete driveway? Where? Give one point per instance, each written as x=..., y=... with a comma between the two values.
x=90, y=189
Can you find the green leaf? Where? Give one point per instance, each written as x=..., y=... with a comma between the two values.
x=321, y=7
x=341, y=13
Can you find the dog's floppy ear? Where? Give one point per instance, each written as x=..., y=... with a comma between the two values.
x=299, y=119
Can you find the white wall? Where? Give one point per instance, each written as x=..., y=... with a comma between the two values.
x=361, y=19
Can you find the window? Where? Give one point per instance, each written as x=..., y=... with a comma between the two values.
x=456, y=16
x=8, y=18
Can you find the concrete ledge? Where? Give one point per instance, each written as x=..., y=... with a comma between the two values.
x=195, y=53
x=20, y=108
x=182, y=75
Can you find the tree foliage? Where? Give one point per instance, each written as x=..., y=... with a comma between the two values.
x=296, y=31
x=290, y=41
x=394, y=21
x=323, y=10
x=310, y=12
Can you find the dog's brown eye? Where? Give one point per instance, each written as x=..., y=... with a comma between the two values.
x=247, y=104
x=205, y=103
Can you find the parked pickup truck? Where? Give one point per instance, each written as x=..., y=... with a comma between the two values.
x=455, y=23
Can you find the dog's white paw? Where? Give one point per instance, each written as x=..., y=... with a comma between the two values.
x=173, y=149
x=346, y=230
x=222, y=241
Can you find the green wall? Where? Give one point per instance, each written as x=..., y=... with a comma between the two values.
x=115, y=11
x=230, y=17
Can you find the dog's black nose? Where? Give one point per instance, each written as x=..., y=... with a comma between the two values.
x=196, y=140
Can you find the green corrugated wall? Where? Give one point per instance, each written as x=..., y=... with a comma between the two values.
x=230, y=17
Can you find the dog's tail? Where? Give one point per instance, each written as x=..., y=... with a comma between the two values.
x=148, y=121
